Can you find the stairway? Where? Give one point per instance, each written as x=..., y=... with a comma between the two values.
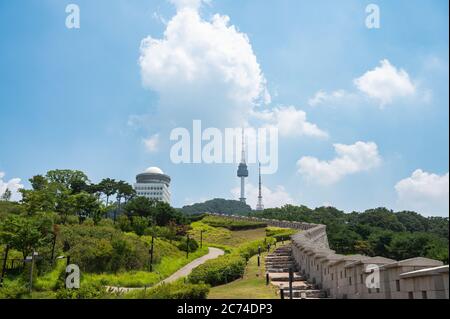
x=278, y=264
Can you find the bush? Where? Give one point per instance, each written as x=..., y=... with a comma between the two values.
x=280, y=234
x=193, y=245
x=230, y=224
x=176, y=290
x=102, y=249
x=86, y=291
x=248, y=250
x=13, y=290
x=219, y=271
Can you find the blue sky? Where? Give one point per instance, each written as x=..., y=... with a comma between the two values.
x=81, y=98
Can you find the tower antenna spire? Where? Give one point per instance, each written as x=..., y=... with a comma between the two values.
x=242, y=172
x=260, y=205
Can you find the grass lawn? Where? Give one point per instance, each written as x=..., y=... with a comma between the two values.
x=224, y=237
x=252, y=286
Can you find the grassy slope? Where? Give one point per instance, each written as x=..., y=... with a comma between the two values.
x=172, y=259
x=252, y=286
x=222, y=237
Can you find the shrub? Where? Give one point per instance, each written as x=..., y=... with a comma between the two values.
x=176, y=290
x=280, y=234
x=86, y=291
x=101, y=249
x=193, y=245
x=13, y=290
x=219, y=271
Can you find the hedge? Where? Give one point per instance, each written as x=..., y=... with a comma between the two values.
x=227, y=268
x=231, y=224
x=176, y=290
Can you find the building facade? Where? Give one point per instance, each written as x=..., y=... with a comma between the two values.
x=153, y=184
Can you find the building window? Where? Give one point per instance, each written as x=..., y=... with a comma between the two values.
x=362, y=278
x=378, y=290
x=341, y=274
x=350, y=281
x=370, y=291
x=332, y=277
x=410, y=295
x=397, y=285
x=424, y=295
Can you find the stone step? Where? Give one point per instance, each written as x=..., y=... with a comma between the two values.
x=284, y=276
x=275, y=258
x=304, y=294
x=300, y=285
x=279, y=270
x=280, y=264
x=280, y=256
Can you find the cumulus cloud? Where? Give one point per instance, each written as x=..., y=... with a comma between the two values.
x=290, y=122
x=277, y=197
x=385, y=83
x=350, y=159
x=425, y=193
x=202, y=69
x=13, y=185
x=151, y=143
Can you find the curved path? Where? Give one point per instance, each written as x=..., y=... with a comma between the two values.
x=186, y=270
x=182, y=272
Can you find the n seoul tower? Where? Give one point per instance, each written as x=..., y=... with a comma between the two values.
x=242, y=172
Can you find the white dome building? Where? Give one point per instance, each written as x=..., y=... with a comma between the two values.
x=153, y=184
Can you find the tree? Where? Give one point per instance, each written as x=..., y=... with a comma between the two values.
x=6, y=196
x=38, y=182
x=108, y=187
x=85, y=206
x=140, y=206
x=26, y=234
x=67, y=178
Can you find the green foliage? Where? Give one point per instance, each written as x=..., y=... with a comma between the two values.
x=26, y=233
x=218, y=206
x=216, y=221
x=375, y=232
x=219, y=271
x=227, y=268
x=160, y=213
x=100, y=249
x=176, y=290
x=280, y=234
x=183, y=245
x=86, y=291
x=13, y=290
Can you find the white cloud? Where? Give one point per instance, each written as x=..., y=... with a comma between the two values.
x=202, y=69
x=151, y=143
x=290, y=122
x=350, y=159
x=385, y=83
x=271, y=198
x=425, y=193
x=13, y=185
x=323, y=97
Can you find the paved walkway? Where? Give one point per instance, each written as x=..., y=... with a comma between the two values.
x=182, y=272
x=186, y=270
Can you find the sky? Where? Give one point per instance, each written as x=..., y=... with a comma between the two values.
x=361, y=113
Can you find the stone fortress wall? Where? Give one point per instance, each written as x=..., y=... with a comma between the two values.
x=359, y=276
